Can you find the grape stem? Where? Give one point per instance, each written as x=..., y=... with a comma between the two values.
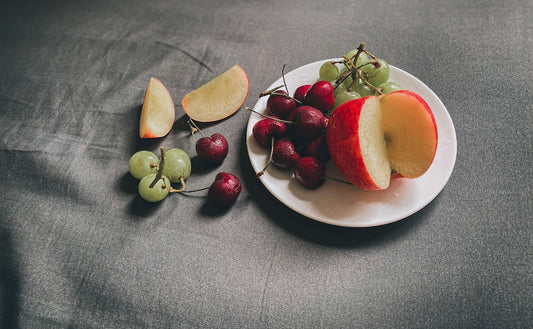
x=356, y=72
x=160, y=168
x=181, y=189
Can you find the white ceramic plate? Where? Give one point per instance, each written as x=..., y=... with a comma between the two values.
x=341, y=204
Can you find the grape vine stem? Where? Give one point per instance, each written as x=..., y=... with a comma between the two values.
x=160, y=168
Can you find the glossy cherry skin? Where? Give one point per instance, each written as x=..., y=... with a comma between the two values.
x=280, y=105
x=266, y=129
x=310, y=172
x=299, y=93
x=320, y=96
x=308, y=122
x=284, y=154
x=225, y=190
x=213, y=149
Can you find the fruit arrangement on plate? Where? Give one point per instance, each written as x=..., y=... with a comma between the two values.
x=371, y=128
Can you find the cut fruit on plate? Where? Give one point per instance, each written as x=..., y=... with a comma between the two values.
x=158, y=113
x=371, y=137
x=219, y=98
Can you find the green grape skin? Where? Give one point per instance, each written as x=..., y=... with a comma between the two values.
x=362, y=59
x=348, y=81
x=363, y=89
x=143, y=163
x=156, y=193
x=377, y=75
x=340, y=88
x=177, y=165
x=388, y=87
x=343, y=97
x=328, y=72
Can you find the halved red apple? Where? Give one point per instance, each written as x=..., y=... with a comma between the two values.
x=373, y=137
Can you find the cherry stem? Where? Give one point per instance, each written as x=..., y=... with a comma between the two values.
x=269, y=92
x=159, y=168
x=271, y=118
x=274, y=92
x=262, y=172
x=194, y=127
x=197, y=190
x=283, y=77
x=338, y=180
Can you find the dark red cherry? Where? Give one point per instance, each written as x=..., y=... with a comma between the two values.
x=300, y=92
x=213, y=149
x=310, y=172
x=280, y=104
x=320, y=95
x=284, y=154
x=225, y=189
x=266, y=129
x=308, y=122
x=318, y=148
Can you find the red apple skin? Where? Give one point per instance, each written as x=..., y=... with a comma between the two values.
x=344, y=146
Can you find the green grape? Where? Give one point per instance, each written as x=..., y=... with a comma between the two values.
x=142, y=163
x=348, y=81
x=156, y=193
x=177, y=165
x=377, y=75
x=338, y=89
x=388, y=87
x=363, y=58
x=363, y=89
x=343, y=97
x=328, y=71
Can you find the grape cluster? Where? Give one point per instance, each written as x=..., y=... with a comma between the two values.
x=156, y=175
x=358, y=74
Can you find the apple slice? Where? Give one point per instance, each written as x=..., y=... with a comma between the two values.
x=218, y=98
x=158, y=113
x=372, y=137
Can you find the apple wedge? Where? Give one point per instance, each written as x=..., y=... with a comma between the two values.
x=374, y=137
x=218, y=98
x=158, y=112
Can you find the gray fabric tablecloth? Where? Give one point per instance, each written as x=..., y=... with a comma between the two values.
x=78, y=249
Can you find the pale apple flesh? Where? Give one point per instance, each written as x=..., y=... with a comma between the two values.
x=158, y=112
x=373, y=137
x=410, y=131
x=218, y=98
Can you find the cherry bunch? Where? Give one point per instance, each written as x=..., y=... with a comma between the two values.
x=294, y=129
